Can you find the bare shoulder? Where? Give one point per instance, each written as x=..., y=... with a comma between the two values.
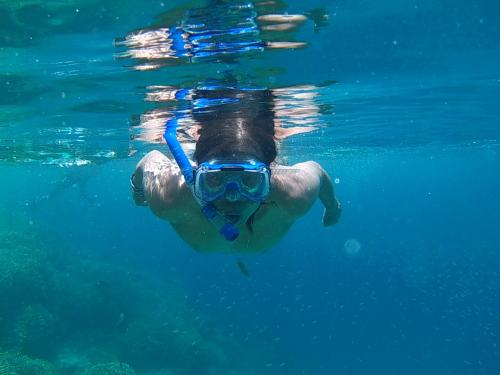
x=164, y=186
x=157, y=163
x=296, y=187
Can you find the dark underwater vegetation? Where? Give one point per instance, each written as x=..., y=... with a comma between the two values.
x=71, y=314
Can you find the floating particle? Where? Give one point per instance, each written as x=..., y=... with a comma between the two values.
x=352, y=246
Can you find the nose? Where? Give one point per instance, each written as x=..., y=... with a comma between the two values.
x=232, y=193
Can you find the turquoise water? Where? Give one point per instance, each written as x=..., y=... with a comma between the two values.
x=403, y=98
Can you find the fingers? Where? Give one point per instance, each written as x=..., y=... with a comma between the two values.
x=331, y=217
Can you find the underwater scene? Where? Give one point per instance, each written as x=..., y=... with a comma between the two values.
x=398, y=102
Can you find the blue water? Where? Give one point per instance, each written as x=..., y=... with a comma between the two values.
x=405, y=102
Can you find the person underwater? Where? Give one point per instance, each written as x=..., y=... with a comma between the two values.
x=233, y=196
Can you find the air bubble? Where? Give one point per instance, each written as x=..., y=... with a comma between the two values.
x=352, y=246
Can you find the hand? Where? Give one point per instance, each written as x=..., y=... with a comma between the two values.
x=137, y=192
x=139, y=199
x=331, y=215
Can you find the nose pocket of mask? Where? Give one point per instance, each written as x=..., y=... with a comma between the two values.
x=232, y=191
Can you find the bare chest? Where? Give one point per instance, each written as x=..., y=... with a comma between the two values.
x=270, y=224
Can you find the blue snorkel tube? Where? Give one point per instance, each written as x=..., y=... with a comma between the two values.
x=224, y=227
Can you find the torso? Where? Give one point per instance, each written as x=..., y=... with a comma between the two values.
x=270, y=224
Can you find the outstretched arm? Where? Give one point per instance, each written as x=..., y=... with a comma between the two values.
x=327, y=197
x=297, y=187
x=157, y=182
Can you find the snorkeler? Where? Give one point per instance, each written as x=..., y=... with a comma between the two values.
x=233, y=196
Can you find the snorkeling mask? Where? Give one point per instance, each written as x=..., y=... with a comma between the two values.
x=232, y=180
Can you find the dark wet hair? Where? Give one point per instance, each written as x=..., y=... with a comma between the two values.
x=235, y=124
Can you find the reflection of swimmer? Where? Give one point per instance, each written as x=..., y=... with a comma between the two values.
x=295, y=112
x=233, y=188
x=221, y=29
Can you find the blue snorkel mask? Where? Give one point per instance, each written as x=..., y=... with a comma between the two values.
x=232, y=180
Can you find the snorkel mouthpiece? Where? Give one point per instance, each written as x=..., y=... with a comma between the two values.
x=227, y=230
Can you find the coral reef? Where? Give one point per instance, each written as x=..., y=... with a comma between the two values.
x=25, y=279
x=18, y=364
x=87, y=316
x=23, y=269
x=34, y=327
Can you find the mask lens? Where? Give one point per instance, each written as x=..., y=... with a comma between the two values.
x=252, y=181
x=213, y=181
